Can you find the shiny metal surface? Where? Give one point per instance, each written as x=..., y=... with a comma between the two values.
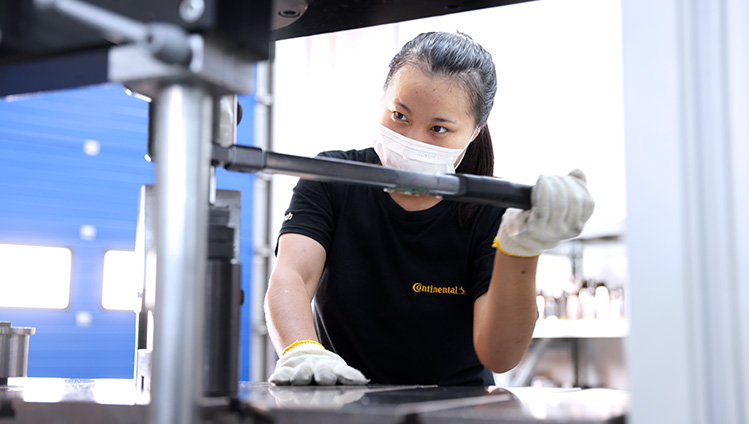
x=221, y=351
x=459, y=187
x=14, y=350
x=223, y=297
x=548, y=405
x=182, y=135
x=54, y=390
x=51, y=400
x=404, y=404
x=145, y=250
x=262, y=355
x=55, y=400
x=212, y=63
x=286, y=12
x=226, y=113
x=366, y=404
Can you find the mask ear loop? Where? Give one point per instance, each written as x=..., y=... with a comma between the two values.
x=474, y=134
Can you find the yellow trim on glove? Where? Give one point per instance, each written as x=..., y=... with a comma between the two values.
x=495, y=244
x=299, y=342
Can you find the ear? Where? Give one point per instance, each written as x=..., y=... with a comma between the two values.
x=477, y=132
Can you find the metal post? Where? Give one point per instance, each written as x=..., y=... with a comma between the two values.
x=262, y=234
x=182, y=136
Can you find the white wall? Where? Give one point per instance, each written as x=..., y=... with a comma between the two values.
x=686, y=67
x=558, y=104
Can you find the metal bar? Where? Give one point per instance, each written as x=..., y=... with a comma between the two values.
x=328, y=169
x=262, y=234
x=458, y=187
x=182, y=133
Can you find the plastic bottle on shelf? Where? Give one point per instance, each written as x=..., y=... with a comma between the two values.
x=561, y=304
x=573, y=306
x=616, y=309
x=587, y=302
x=550, y=309
x=602, y=301
x=540, y=305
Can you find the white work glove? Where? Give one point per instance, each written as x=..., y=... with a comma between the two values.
x=560, y=206
x=309, y=361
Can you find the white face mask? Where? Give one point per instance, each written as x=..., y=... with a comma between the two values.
x=399, y=152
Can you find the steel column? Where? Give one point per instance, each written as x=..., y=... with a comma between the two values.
x=182, y=139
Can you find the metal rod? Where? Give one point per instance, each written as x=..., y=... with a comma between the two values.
x=182, y=133
x=329, y=169
x=262, y=234
x=457, y=187
x=165, y=41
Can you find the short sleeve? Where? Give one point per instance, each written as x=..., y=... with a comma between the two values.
x=310, y=212
x=486, y=224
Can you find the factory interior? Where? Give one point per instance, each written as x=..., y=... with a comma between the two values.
x=175, y=131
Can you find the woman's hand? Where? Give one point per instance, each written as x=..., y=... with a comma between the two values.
x=505, y=316
x=307, y=361
x=560, y=207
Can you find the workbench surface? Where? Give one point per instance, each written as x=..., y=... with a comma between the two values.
x=53, y=400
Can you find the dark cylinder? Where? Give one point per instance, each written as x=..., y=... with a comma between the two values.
x=222, y=309
x=222, y=299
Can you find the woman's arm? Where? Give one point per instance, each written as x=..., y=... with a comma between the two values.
x=504, y=317
x=292, y=285
x=288, y=314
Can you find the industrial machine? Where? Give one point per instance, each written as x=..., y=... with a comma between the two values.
x=190, y=58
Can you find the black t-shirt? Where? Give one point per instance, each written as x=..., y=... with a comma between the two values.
x=395, y=299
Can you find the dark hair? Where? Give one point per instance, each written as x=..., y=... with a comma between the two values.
x=458, y=56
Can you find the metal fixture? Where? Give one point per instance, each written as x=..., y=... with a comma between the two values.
x=14, y=351
x=286, y=12
x=191, y=10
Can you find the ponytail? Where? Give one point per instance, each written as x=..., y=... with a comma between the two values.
x=478, y=160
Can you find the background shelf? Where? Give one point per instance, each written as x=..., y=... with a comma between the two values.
x=550, y=328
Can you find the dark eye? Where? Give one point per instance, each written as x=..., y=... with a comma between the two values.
x=439, y=130
x=399, y=116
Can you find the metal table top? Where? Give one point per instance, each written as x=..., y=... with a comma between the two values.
x=53, y=400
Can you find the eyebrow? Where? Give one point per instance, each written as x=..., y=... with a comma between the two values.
x=401, y=105
x=437, y=119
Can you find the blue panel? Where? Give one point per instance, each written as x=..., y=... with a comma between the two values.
x=49, y=188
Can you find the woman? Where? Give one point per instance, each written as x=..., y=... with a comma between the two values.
x=414, y=289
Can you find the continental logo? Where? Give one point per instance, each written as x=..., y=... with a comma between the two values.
x=421, y=288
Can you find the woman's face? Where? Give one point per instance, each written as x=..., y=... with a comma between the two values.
x=434, y=110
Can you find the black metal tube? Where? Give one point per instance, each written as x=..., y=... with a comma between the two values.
x=456, y=187
x=222, y=303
